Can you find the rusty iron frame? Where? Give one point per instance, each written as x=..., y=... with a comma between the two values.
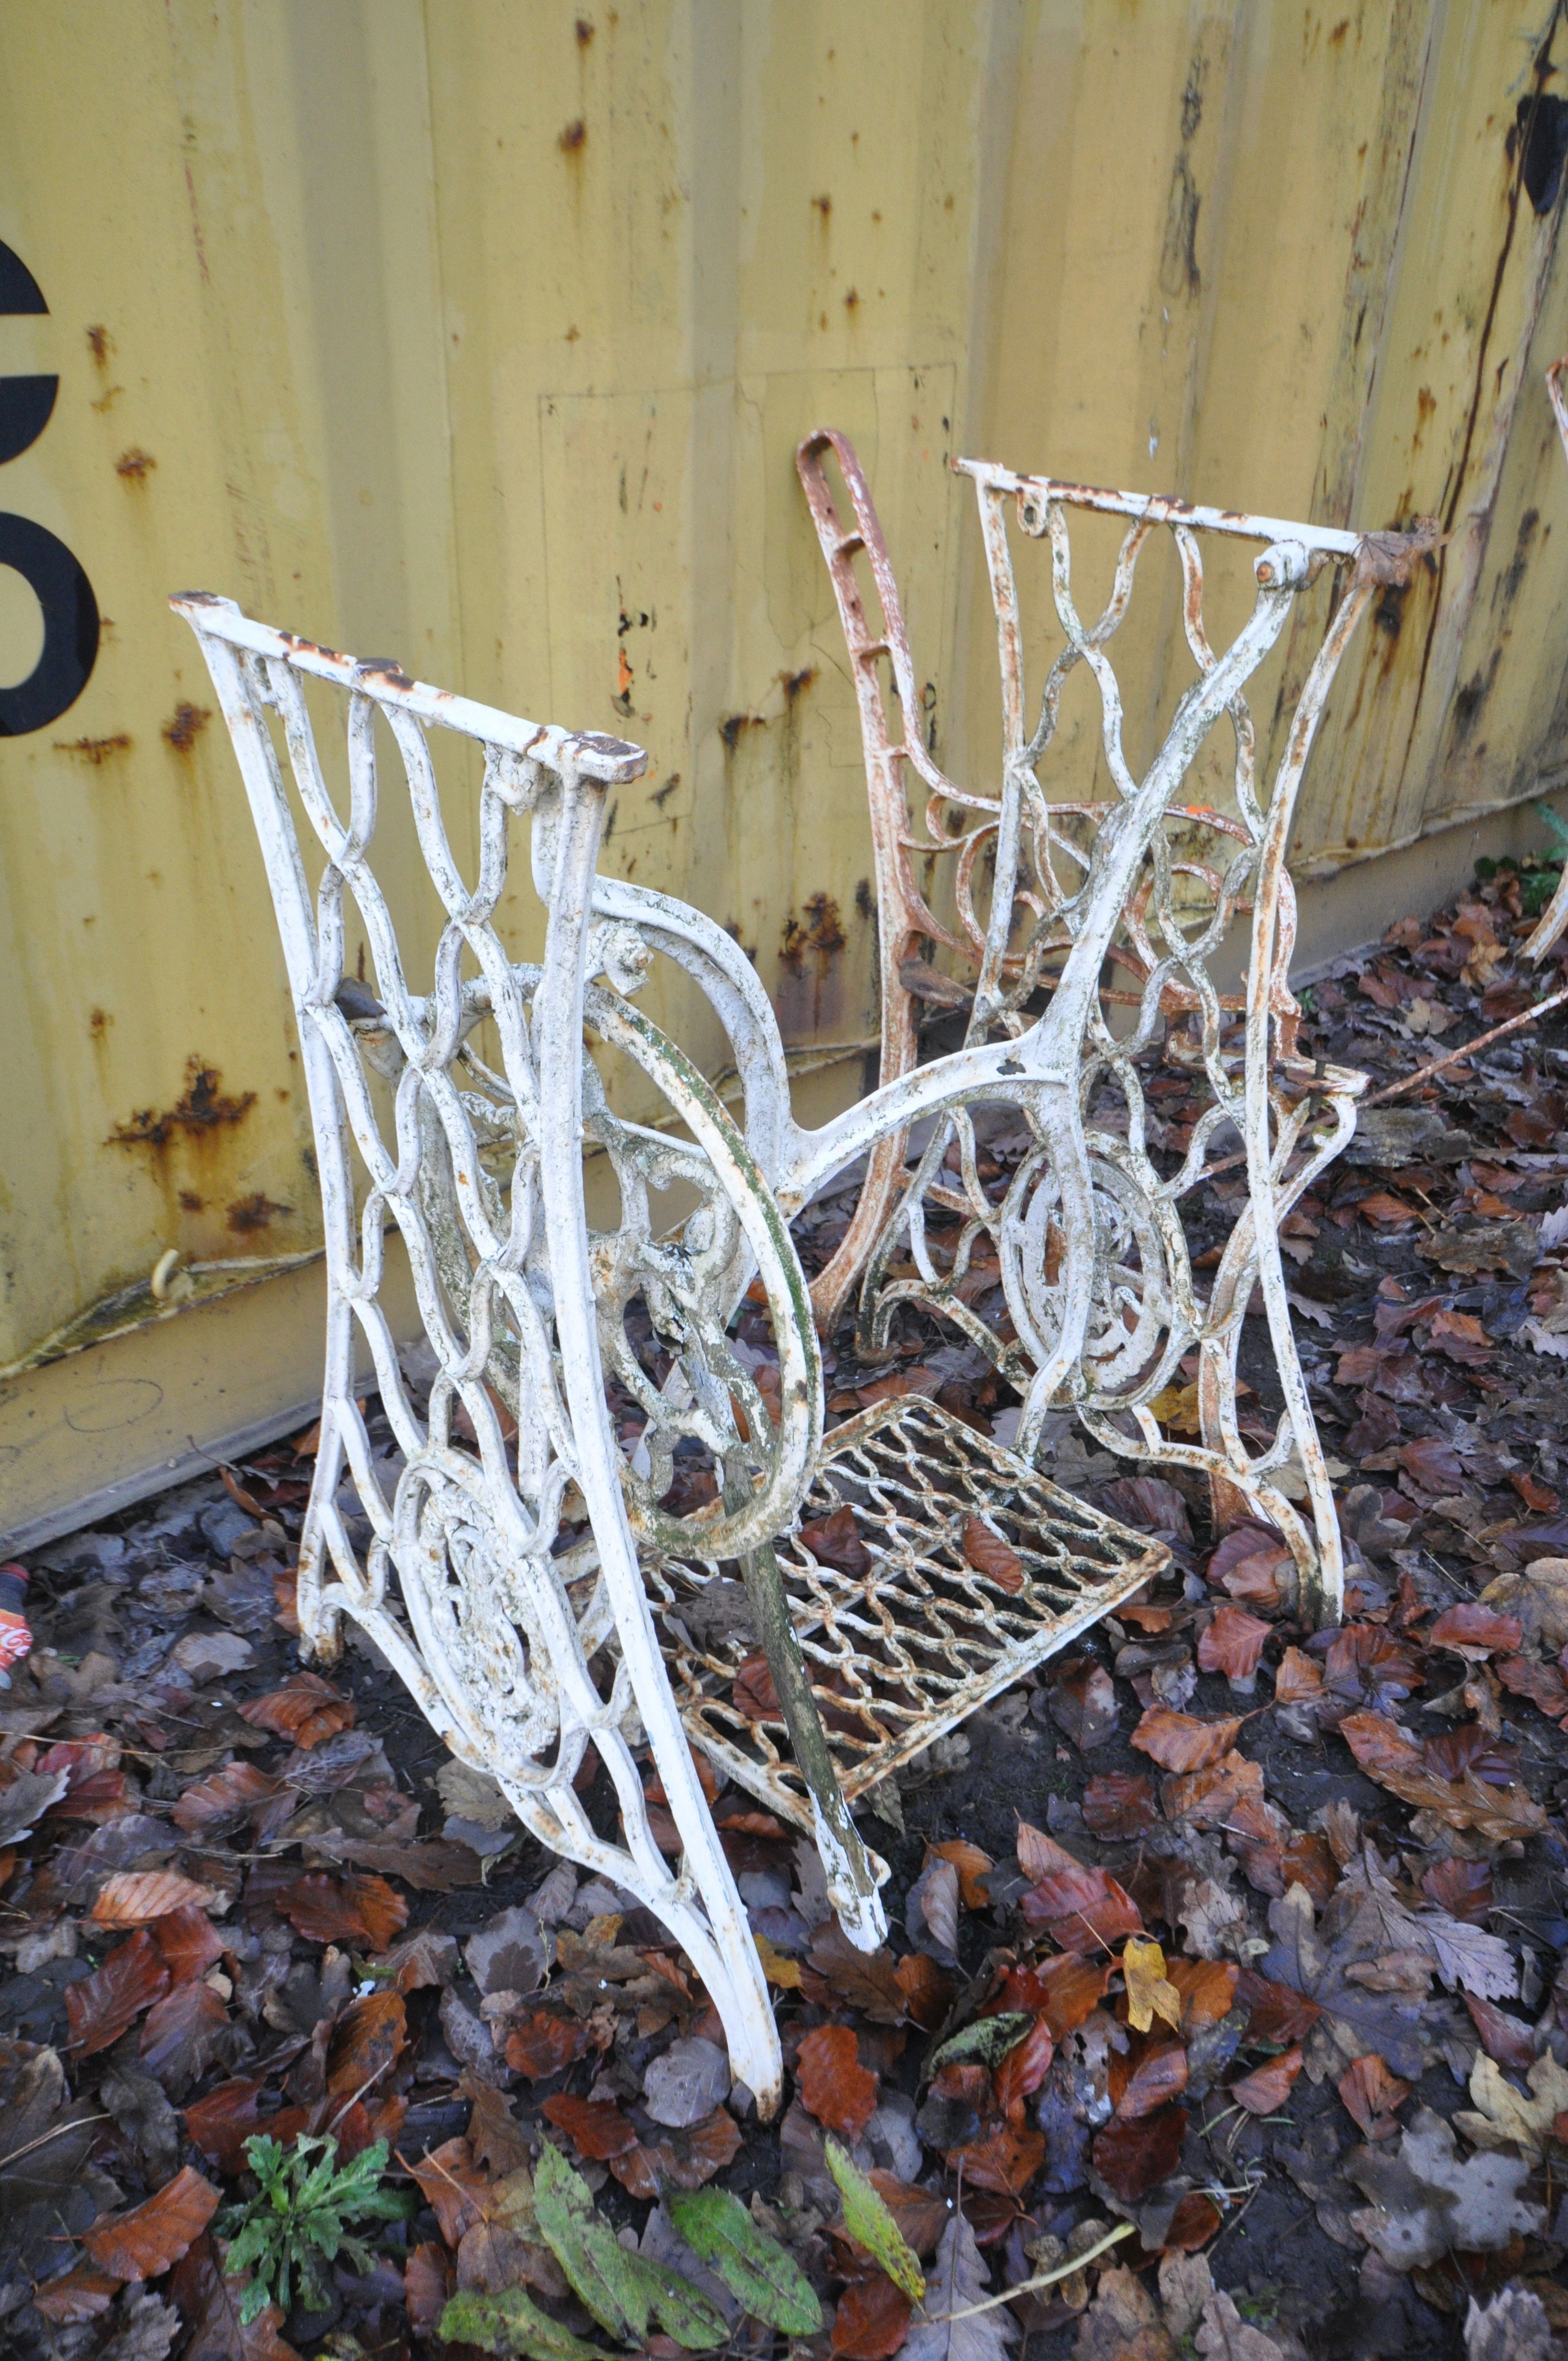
x=1147, y=897
x=1554, y=917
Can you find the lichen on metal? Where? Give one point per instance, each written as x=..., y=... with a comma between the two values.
x=1141, y=887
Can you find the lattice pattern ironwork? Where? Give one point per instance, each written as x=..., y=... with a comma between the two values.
x=910, y=1645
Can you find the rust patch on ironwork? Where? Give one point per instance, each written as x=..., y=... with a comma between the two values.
x=96, y=750
x=385, y=669
x=575, y=138
x=135, y=464
x=254, y=1213
x=201, y=1108
x=186, y=726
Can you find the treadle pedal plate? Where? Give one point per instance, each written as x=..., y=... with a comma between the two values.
x=907, y=1634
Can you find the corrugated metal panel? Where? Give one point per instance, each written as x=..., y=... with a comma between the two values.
x=481, y=335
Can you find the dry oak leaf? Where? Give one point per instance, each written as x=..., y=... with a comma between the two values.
x=133, y=1895
x=1233, y=1644
x=102, y=2006
x=147, y=2240
x=1387, y=1754
x=1178, y=1742
x=1150, y=1992
x=1265, y=2090
x=1502, y=2115
x=834, y=2086
x=1371, y=2095
x=989, y=1555
x=305, y=1710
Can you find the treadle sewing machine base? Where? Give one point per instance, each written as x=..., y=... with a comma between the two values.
x=916, y=1635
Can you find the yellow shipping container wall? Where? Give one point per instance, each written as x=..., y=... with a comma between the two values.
x=480, y=334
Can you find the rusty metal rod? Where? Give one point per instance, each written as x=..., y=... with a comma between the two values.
x=1457, y=1057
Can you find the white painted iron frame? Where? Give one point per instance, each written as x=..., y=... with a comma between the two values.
x=1293, y=1118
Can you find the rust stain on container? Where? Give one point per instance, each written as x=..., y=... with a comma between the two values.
x=186, y=725
x=254, y=1213
x=202, y=1108
x=96, y=750
x=574, y=139
x=135, y=464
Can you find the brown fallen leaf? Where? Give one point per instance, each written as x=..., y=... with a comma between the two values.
x=1120, y=1804
x=101, y=2007
x=1131, y=2158
x=973, y=1867
x=866, y=1981
x=132, y=1896
x=1508, y=2039
x=1004, y=2159
x=305, y=1710
x=1371, y=2095
x=1082, y=1703
x=77, y=2295
x=1232, y=1644
x=429, y=2277
x=220, y=2124
x=543, y=2043
x=1476, y=1631
x=1387, y=1754
x=454, y=2186
x=185, y=2033
x=1277, y=2011
x=142, y=2244
x=689, y=2158
x=985, y=1549
x=872, y=2321
x=217, y=1804
x=1147, y=2076
x=1265, y=2090
x=927, y=1989
x=188, y=1943
x=1207, y=1989
x=367, y=2042
x=358, y=1908
x=1081, y=1907
x=1178, y=1742
x=834, y=1540
x=1064, y=1992
x=833, y=2084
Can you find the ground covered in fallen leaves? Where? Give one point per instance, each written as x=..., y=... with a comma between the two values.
x=1233, y=1944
